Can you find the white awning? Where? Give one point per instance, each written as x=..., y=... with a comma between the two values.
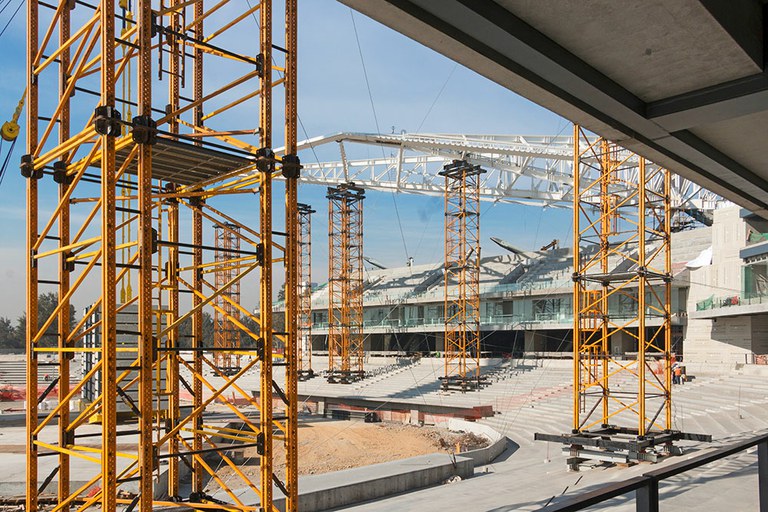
x=702, y=260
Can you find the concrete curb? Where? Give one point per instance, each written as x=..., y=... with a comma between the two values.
x=357, y=485
x=350, y=486
x=347, y=487
x=480, y=456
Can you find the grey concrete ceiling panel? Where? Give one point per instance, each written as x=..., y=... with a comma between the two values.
x=654, y=48
x=681, y=82
x=745, y=138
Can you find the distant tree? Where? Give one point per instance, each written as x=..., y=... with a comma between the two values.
x=185, y=331
x=253, y=326
x=46, y=304
x=20, y=329
x=278, y=326
x=207, y=329
x=9, y=337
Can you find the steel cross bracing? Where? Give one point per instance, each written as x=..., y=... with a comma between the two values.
x=535, y=170
x=120, y=216
x=622, y=291
x=462, y=276
x=304, y=292
x=345, y=283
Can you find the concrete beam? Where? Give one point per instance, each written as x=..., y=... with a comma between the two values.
x=711, y=104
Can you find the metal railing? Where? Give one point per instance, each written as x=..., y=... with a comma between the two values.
x=402, y=296
x=756, y=238
x=560, y=317
x=437, y=294
x=646, y=486
x=564, y=318
x=734, y=299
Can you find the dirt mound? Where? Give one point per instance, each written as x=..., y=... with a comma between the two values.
x=326, y=446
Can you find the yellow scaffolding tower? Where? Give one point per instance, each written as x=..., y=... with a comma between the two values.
x=171, y=172
x=462, y=276
x=304, y=332
x=226, y=334
x=345, y=283
x=622, y=283
x=622, y=289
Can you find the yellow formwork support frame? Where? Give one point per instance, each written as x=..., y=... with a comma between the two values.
x=304, y=290
x=136, y=363
x=226, y=335
x=291, y=168
x=462, y=276
x=345, y=283
x=622, y=289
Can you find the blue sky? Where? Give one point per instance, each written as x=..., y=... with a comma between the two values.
x=405, y=79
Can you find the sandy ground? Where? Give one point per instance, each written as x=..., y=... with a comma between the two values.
x=326, y=446
x=332, y=446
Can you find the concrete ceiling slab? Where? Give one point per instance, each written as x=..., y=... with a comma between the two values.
x=654, y=48
x=681, y=82
x=745, y=138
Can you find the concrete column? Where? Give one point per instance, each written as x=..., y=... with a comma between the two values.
x=621, y=342
x=440, y=342
x=321, y=408
x=534, y=342
x=647, y=497
x=762, y=475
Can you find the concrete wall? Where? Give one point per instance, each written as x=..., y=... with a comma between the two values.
x=535, y=341
x=342, y=488
x=622, y=342
x=481, y=456
x=720, y=340
x=760, y=334
x=726, y=339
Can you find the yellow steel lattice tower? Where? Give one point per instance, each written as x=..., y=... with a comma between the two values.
x=462, y=276
x=226, y=334
x=622, y=290
x=345, y=283
x=149, y=187
x=304, y=331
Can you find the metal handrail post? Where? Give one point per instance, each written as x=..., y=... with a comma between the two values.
x=647, y=497
x=762, y=472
